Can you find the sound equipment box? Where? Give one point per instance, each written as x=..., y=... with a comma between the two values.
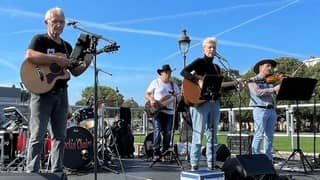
x=222, y=152
x=247, y=167
x=32, y=176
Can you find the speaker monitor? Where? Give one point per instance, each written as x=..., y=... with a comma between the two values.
x=32, y=176
x=222, y=152
x=125, y=114
x=243, y=167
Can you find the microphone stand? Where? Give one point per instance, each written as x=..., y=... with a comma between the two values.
x=74, y=25
x=93, y=50
x=233, y=77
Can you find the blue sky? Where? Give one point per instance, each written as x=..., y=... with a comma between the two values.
x=148, y=33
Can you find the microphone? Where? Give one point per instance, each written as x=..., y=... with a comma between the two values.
x=72, y=23
x=219, y=56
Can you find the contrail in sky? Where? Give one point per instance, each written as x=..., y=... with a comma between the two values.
x=9, y=65
x=195, y=13
x=242, y=24
x=16, y=12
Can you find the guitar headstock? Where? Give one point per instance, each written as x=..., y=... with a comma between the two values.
x=109, y=48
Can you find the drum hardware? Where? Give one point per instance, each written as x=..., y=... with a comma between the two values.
x=15, y=117
x=15, y=149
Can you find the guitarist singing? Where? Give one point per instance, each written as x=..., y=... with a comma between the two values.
x=158, y=89
x=50, y=107
x=206, y=115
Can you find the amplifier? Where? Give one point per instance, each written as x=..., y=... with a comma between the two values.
x=233, y=141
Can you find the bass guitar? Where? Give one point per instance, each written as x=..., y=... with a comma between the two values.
x=40, y=79
x=153, y=110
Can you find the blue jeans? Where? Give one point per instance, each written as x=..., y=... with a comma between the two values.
x=162, y=123
x=52, y=108
x=204, y=118
x=264, y=123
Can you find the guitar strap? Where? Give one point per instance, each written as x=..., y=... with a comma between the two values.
x=65, y=48
x=172, y=87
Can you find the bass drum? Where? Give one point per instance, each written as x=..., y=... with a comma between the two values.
x=148, y=145
x=78, y=151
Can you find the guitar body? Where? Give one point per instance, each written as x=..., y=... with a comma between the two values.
x=191, y=93
x=40, y=79
x=158, y=106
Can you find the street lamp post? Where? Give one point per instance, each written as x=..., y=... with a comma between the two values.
x=184, y=44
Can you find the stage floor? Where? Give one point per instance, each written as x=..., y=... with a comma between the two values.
x=138, y=169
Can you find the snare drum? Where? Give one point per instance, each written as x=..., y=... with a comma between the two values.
x=78, y=152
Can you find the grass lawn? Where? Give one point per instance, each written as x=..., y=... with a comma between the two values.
x=280, y=143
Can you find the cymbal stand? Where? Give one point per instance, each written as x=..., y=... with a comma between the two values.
x=99, y=126
x=172, y=151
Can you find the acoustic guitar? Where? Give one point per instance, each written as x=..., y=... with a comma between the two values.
x=40, y=79
x=192, y=91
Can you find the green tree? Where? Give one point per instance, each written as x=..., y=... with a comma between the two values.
x=130, y=103
x=108, y=95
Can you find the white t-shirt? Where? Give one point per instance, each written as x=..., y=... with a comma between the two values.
x=159, y=89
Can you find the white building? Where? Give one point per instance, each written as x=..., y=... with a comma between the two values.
x=311, y=61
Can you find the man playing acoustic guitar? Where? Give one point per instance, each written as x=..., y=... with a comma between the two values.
x=51, y=106
x=159, y=89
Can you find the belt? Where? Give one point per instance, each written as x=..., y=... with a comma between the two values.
x=56, y=90
x=266, y=107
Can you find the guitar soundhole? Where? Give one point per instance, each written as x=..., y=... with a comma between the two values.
x=55, y=68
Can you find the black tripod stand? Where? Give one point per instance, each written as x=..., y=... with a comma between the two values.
x=297, y=89
x=172, y=150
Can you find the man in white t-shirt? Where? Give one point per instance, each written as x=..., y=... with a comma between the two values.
x=159, y=89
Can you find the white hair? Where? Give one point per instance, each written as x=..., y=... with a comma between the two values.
x=55, y=10
x=209, y=40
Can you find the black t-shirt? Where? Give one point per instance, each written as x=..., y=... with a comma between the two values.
x=43, y=43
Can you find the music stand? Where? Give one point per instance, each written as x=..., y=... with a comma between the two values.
x=297, y=89
x=211, y=91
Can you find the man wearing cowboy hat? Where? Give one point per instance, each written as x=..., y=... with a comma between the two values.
x=262, y=99
x=158, y=89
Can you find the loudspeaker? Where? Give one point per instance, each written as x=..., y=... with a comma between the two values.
x=222, y=152
x=32, y=176
x=125, y=114
x=245, y=167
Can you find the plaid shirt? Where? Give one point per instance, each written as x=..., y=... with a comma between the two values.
x=261, y=93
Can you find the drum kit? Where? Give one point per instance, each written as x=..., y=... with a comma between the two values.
x=79, y=141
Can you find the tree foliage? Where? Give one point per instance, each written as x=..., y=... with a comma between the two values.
x=108, y=95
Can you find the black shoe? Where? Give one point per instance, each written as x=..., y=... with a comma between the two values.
x=194, y=168
x=155, y=158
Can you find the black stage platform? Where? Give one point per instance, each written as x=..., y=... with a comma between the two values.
x=138, y=169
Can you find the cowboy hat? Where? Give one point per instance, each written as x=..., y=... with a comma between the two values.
x=264, y=61
x=165, y=67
